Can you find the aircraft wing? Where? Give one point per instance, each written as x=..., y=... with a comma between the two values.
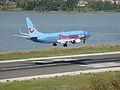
x=21, y=36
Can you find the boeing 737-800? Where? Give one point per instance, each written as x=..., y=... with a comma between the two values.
x=73, y=37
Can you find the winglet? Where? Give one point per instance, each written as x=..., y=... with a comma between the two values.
x=22, y=32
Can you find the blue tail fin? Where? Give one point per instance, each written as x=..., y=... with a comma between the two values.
x=33, y=32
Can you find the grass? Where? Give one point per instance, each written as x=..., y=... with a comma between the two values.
x=96, y=81
x=59, y=51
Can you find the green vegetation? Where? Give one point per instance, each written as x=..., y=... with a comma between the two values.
x=59, y=51
x=59, y=5
x=95, y=81
x=105, y=6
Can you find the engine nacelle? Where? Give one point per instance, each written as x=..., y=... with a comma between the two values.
x=76, y=41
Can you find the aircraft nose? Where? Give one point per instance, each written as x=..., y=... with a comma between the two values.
x=87, y=34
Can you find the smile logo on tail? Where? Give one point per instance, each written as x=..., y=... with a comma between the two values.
x=31, y=31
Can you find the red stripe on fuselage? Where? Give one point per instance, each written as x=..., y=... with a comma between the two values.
x=68, y=37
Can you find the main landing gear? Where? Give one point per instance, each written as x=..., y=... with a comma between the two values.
x=65, y=45
x=54, y=44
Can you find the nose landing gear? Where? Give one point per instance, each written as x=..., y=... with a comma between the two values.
x=83, y=40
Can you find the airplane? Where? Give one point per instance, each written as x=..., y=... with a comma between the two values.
x=74, y=37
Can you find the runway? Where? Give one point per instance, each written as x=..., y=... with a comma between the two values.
x=15, y=69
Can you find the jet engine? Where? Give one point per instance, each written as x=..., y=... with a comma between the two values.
x=76, y=41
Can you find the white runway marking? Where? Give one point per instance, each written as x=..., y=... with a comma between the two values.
x=14, y=68
x=59, y=74
x=69, y=56
x=101, y=65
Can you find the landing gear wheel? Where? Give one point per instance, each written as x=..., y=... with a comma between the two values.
x=54, y=44
x=65, y=45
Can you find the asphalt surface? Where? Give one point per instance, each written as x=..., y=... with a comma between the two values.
x=49, y=66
